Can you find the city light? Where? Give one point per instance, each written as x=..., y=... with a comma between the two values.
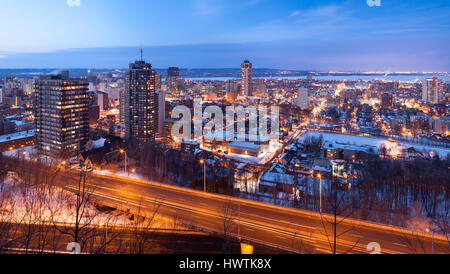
x=205, y=127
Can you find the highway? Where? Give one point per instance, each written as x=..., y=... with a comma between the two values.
x=255, y=222
x=113, y=240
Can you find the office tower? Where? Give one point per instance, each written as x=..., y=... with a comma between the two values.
x=10, y=85
x=61, y=114
x=102, y=100
x=122, y=105
x=94, y=114
x=161, y=112
x=1, y=94
x=141, y=102
x=158, y=81
x=92, y=97
x=180, y=84
x=432, y=91
x=303, y=98
x=246, y=78
x=260, y=88
x=173, y=74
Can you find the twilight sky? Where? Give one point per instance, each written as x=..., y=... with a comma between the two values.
x=399, y=35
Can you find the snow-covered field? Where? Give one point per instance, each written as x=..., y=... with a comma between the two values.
x=268, y=153
x=375, y=141
x=23, y=203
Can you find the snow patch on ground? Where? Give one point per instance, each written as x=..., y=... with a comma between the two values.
x=24, y=203
x=374, y=141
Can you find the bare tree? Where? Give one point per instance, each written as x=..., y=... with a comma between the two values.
x=300, y=246
x=9, y=225
x=441, y=224
x=108, y=235
x=420, y=228
x=141, y=228
x=339, y=213
x=228, y=215
x=81, y=227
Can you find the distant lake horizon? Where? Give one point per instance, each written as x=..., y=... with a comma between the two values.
x=406, y=78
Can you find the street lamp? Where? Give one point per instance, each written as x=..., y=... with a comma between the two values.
x=320, y=190
x=246, y=249
x=122, y=151
x=106, y=230
x=204, y=174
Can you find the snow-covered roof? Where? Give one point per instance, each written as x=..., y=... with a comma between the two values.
x=278, y=168
x=198, y=151
x=191, y=143
x=272, y=177
x=16, y=136
x=244, y=145
x=21, y=123
x=99, y=143
x=321, y=169
x=364, y=148
x=255, y=138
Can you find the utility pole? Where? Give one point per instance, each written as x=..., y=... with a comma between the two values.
x=239, y=222
x=204, y=177
x=320, y=190
x=126, y=162
x=204, y=174
x=122, y=151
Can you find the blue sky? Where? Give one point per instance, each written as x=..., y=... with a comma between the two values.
x=409, y=35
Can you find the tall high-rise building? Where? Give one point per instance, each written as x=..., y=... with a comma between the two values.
x=122, y=105
x=158, y=81
x=102, y=100
x=260, y=87
x=11, y=84
x=432, y=91
x=246, y=78
x=303, y=98
x=61, y=114
x=161, y=112
x=141, y=102
x=173, y=74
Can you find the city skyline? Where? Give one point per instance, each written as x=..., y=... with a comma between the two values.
x=228, y=127
x=326, y=35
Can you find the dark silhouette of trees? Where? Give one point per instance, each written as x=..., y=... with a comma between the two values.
x=340, y=211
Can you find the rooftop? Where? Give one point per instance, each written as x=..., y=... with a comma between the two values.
x=245, y=145
x=16, y=136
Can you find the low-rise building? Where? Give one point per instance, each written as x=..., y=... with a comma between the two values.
x=244, y=148
x=442, y=125
x=349, y=152
x=16, y=140
x=277, y=180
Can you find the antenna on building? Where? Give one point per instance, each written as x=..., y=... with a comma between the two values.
x=142, y=54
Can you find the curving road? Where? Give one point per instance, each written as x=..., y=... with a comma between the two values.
x=288, y=229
